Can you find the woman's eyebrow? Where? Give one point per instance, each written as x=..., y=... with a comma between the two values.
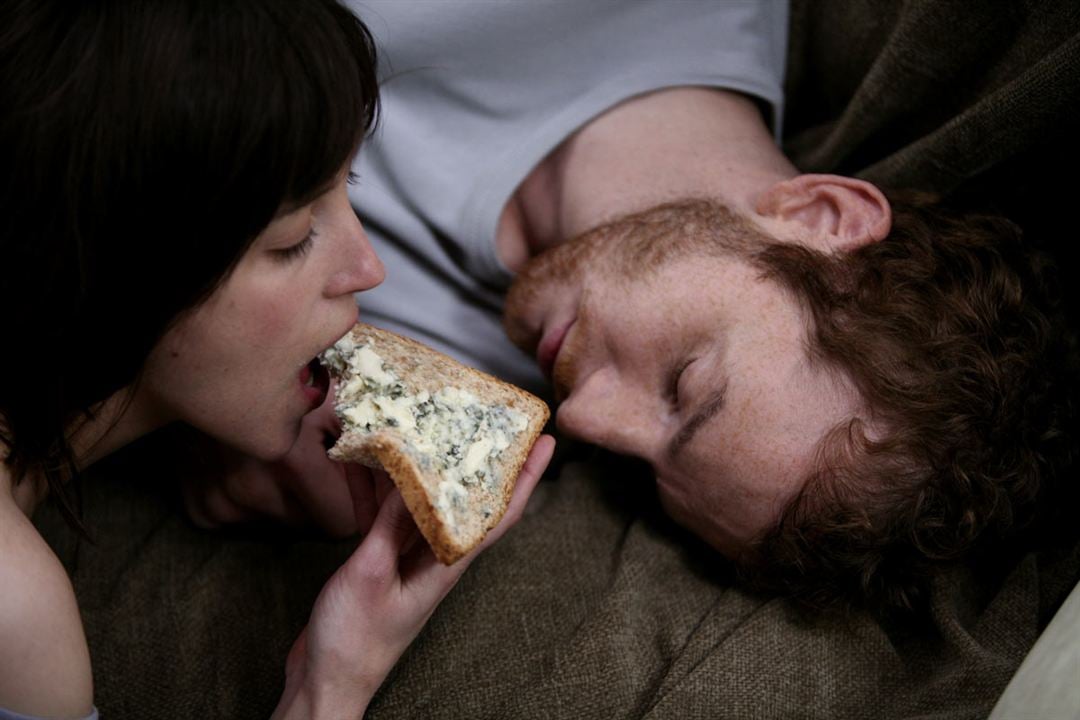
x=712, y=405
x=289, y=207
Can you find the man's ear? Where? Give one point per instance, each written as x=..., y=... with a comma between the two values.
x=831, y=212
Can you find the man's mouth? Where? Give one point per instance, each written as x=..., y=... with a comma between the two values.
x=315, y=382
x=547, y=352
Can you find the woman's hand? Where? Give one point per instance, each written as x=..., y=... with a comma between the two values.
x=373, y=607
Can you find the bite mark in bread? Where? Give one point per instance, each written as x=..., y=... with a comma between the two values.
x=452, y=438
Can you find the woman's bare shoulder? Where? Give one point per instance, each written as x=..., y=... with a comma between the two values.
x=44, y=660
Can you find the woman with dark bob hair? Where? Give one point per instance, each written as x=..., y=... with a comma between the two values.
x=176, y=245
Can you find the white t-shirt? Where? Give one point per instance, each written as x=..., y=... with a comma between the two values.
x=475, y=93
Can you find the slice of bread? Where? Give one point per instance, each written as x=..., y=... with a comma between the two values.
x=452, y=438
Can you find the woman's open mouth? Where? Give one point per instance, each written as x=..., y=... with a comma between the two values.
x=315, y=382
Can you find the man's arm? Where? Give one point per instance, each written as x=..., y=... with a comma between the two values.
x=672, y=143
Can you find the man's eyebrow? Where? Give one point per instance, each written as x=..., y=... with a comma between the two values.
x=712, y=405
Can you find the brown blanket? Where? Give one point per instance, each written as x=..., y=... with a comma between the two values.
x=595, y=606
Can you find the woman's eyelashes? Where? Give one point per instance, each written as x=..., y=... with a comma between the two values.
x=294, y=252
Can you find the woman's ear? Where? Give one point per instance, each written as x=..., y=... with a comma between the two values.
x=830, y=212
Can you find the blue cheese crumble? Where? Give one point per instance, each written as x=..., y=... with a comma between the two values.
x=451, y=431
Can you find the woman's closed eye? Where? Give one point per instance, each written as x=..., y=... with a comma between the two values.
x=294, y=252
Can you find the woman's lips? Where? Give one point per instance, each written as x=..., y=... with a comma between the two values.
x=314, y=377
x=548, y=349
x=315, y=382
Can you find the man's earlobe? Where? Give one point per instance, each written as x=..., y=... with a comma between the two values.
x=831, y=212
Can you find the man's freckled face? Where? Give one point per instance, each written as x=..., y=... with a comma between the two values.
x=701, y=340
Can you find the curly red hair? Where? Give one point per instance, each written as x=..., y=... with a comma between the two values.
x=950, y=330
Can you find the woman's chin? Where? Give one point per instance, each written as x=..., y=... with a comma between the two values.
x=272, y=448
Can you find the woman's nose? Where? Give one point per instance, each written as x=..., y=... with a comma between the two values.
x=606, y=410
x=359, y=267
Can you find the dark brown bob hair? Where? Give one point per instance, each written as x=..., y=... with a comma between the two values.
x=144, y=144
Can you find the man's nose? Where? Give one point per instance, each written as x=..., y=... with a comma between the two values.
x=359, y=267
x=607, y=410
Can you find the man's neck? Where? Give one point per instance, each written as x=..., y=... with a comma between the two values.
x=688, y=142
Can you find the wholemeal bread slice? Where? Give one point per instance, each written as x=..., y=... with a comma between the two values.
x=452, y=438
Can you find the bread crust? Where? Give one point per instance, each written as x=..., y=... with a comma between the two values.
x=421, y=368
